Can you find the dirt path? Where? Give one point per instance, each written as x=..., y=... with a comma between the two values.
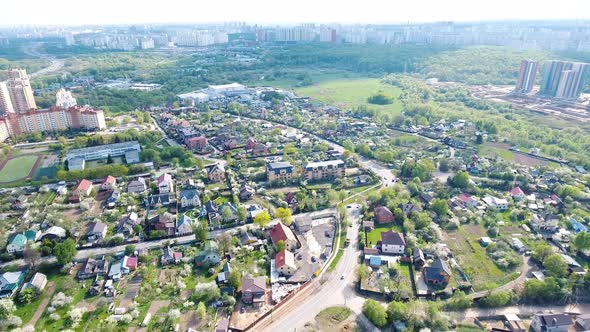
x=41, y=309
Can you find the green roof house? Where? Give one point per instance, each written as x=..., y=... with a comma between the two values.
x=17, y=244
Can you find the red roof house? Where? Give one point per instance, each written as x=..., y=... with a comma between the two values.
x=283, y=233
x=83, y=188
x=383, y=215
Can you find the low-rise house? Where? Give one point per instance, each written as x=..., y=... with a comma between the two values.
x=126, y=226
x=97, y=231
x=209, y=256
x=426, y=199
x=184, y=225
x=38, y=282
x=246, y=192
x=109, y=183
x=246, y=238
x=16, y=244
x=285, y=263
x=418, y=259
x=165, y=184
x=583, y=322
x=54, y=233
x=551, y=322
x=165, y=222
x=517, y=194
x=393, y=243
x=254, y=290
x=383, y=215
x=547, y=223
x=113, y=199
x=83, y=188
x=496, y=203
x=137, y=186
x=437, y=274
x=10, y=282
x=324, y=170
x=572, y=265
x=189, y=198
x=577, y=227
x=280, y=232
x=32, y=235
x=160, y=200
x=170, y=256
x=252, y=210
x=222, y=325
x=467, y=201
x=216, y=173
x=115, y=272
x=260, y=149
x=280, y=170
x=211, y=210
x=198, y=144
x=409, y=208
x=129, y=264
x=291, y=199
x=223, y=276
x=93, y=268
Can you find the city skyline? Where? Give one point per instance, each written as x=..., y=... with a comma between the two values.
x=266, y=12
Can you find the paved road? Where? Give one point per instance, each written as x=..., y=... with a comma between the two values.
x=56, y=64
x=333, y=290
x=523, y=310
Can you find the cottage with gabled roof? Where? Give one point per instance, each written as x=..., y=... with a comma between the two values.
x=38, y=282
x=189, y=198
x=285, y=263
x=437, y=274
x=280, y=232
x=393, y=243
x=254, y=290
x=165, y=184
x=517, y=194
x=383, y=215
x=216, y=173
x=551, y=322
x=83, y=188
x=137, y=186
x=10, y=282
x=184, y=225
x=109, y=183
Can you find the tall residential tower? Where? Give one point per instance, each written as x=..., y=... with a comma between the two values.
x=564, y=80
x=20, y=91
x=527, y=76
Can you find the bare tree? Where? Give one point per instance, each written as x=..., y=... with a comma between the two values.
x=224, y=242
x=32, y=257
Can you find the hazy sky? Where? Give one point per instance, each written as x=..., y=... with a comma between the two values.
x=284, y=11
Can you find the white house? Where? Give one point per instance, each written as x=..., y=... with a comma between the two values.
x=185, y=225
x=285, y=262
x=496, y=203
x=392, y=243
x=165, y=184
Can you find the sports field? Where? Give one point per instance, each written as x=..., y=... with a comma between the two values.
x=17, y=168
x=350, y=93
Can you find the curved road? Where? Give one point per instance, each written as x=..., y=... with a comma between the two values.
x=56, y=64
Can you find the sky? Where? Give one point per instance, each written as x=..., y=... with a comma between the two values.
x=77, y=12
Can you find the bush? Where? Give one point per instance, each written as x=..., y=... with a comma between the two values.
x=380, y=99
x=498, y=299
x=459, y=301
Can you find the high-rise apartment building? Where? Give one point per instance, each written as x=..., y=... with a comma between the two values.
x=20, y=91
x=527, y=76
x=64, y=99
x=564, y=80
x=5, y=102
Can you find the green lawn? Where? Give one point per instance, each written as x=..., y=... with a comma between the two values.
x=490, y=150
x=17, y=168
x=374, y=236
x=333, y=315
x=350, y=93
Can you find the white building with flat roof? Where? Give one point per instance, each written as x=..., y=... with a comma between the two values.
x=104, y=151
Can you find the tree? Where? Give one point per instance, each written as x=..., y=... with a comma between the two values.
x=226, y=213
x=32, y=257
x=285, y=215
x=556, y=265
x=27, y=295
x=375, y=312
x=497, y=299
x=235, y=278
x=65, y=251
x=443, y=165
x=242, y=213
x=262, y=219
x=201, y=310
x=440, y=207
x=459, y=301
x=542, y=251
x=460, y=180
x=129, y=249
x=397, y=311
x=224, y=242
x=582, y=241
x=362, y=272
x=201, y=231
x=280, y=245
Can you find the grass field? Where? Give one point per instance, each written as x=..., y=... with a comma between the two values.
x=479, y=267
x=17, y=168
x=497, y=150
x=350, y=93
